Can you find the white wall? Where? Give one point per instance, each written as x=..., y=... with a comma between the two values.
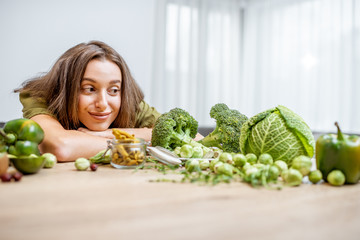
x=34, y=33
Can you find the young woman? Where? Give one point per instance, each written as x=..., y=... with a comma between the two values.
x=88, y=91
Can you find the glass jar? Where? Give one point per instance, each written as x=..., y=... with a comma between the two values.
x=125, y=153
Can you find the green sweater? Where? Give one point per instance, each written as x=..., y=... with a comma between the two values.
x=146, y=117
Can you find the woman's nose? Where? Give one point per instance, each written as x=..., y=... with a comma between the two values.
x=101, y=101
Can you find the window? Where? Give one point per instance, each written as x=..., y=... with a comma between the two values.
x=254, y=55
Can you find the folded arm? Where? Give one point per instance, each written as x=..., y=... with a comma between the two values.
x=68, y=145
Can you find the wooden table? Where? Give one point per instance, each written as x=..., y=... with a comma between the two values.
x=62, y=203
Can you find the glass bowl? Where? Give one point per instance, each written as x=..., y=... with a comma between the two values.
x=125, y=153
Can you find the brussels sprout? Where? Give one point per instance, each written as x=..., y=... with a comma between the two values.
x=204, y=164
x=239, y=160
x=246, y=166
x=226, y=157
x=192, y=165
x=303, y=164
x=213, y=163
x=217, y=152
x=206, y=150
x=251, y=170
x=177, y=150
x=251, y=158
x=265, y=158
x=315, y=176
x=82, y=164
x=273, y=173
x=226, y=169
x=336, y=178
x=195, y=144
x=217, y=165
x=281, y=165
x=197, y=152
x=292, y=177
x=50, y=160
x=186, y=151
x=259, y=165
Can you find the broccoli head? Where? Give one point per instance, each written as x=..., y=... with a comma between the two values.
x=174, y=128
x=226, y=134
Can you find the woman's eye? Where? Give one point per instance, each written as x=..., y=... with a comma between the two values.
x=114, y=91
x=88, y=89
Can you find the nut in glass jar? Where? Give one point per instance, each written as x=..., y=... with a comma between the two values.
x=127, y=153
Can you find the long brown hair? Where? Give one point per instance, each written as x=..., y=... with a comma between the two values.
x=60, y=87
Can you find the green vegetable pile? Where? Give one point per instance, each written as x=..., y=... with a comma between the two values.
x=271, y=149
x=262, y=171
x=20, y=138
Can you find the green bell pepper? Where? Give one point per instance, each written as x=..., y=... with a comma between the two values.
x=3, y=146
x=25, y=129
x=24, y=148
x=341, y=152
x=21, y=137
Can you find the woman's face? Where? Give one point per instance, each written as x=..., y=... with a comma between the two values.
x=100, y=99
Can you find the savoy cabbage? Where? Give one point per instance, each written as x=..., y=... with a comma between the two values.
x=277, y=131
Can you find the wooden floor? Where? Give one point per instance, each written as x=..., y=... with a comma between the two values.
x=62, y=203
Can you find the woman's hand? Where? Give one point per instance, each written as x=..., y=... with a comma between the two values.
x=144, y=133
x=105, y=134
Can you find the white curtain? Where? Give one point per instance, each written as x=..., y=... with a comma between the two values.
x=256, y=54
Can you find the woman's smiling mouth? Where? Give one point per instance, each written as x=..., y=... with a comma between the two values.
x=100, y=116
